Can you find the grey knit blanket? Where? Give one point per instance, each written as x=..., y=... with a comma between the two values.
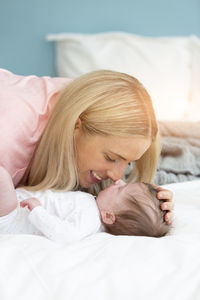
x=180, y=155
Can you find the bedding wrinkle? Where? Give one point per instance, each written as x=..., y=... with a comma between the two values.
x=29, y=262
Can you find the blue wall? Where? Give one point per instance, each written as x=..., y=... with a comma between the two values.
x=25, y=23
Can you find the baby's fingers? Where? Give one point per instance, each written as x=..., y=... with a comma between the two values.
x=23, y=203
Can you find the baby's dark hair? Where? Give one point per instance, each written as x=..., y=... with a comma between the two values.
x=144, y=217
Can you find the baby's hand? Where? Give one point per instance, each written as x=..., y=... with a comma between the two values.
x=30, y=203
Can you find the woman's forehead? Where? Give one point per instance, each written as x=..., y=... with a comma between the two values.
x=127, y=148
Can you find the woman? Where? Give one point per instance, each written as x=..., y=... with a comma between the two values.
x=101, y=122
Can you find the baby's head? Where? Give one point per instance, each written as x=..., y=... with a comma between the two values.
x=131, y=209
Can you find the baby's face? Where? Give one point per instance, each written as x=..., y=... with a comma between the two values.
x=113, y=198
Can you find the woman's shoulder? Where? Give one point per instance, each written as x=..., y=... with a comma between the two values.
x=26, y=101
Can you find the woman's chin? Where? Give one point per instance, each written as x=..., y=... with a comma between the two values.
x=85, y=184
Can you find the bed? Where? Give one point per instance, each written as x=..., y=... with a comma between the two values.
x=109, y=267
x=104, y=266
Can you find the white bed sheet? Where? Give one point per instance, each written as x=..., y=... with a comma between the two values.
x=105, y=267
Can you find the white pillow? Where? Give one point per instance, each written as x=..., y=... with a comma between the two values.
x=163, y=64
x=193, y=108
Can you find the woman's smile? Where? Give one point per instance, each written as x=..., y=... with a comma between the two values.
x=95, y=177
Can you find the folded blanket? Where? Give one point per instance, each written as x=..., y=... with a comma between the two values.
x=180, y=155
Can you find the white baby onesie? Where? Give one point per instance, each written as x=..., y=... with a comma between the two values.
x=63, y=216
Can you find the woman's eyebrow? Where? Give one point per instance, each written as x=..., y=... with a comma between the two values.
x=118, y=155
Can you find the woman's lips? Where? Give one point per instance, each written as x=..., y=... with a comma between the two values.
x=94, y=179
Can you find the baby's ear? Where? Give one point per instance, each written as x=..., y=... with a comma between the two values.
x=107, y=217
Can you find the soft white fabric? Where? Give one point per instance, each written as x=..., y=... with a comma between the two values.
x=193, y=108
x=163, y=65
x=63, y=217
x=108, y=267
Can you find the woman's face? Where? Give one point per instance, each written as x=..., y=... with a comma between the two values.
x=100, y=157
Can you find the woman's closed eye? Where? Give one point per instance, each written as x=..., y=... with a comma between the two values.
x=109, y=158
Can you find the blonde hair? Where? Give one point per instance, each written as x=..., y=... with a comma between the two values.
x=144, y=216
x=108, y=103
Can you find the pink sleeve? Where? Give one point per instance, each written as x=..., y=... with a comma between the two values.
x=25, y=104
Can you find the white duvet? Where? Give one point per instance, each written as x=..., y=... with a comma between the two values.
x=105, y=267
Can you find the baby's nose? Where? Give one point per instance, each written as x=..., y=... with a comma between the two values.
x=120, y=182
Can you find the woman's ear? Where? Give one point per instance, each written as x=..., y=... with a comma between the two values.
x=77, y=129
x=107, y=217
x=78, y=123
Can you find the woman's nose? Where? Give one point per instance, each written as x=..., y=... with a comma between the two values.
x=116, y=173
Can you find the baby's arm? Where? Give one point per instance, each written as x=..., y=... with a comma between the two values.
x=8, y=199
x=50, y=225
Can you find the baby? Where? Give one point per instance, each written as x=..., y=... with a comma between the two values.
x=120, y=209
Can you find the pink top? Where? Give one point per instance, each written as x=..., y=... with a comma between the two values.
x=25, y=105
